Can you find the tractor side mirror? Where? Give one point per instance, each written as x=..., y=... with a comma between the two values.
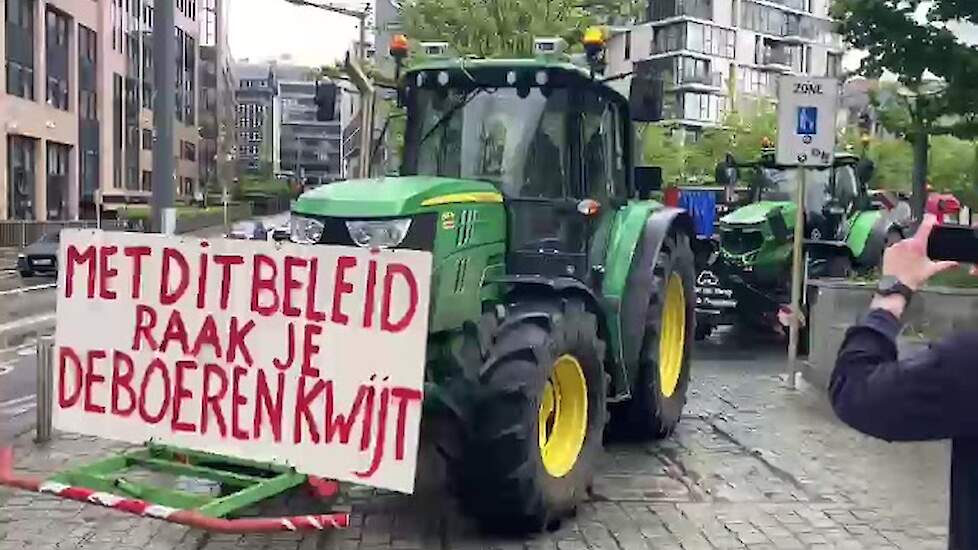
x=648, y=179
x=645, y=99
x=865, y=171
x=779, y=228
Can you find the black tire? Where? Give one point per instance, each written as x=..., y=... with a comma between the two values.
x=703, y=331
x=26, y=273
x=839, y=267
x=499, y=474
x=651, y=413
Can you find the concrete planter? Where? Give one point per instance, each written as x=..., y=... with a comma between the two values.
x=836, y=305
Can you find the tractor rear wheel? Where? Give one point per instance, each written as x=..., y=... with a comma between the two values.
x=530, y=446
x=659, y=394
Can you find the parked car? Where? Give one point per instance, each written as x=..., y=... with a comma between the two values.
x=40, y=257
x=249, y=230
x=282, y=232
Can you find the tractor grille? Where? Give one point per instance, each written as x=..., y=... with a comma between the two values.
x=740, y=241
x=421, y=235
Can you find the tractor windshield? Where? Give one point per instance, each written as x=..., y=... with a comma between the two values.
x=491, y=134
x=781, y=184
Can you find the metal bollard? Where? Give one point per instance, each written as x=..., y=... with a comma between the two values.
x=45, y=388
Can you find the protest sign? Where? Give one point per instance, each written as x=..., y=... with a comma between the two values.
x=311, y=356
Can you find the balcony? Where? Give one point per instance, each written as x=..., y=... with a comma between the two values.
x=778, y=61
x=698, y=82
x=791, y=38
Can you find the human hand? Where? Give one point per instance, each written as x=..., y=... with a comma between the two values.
x=907, y=260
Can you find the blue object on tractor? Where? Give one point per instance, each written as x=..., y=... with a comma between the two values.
x=701, y=205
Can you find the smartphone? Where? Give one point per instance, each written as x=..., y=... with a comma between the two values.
x=956, y=243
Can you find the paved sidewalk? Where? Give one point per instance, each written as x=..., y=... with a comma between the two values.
x=752, y=466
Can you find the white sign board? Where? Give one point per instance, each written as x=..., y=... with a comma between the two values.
x=806, y=120
x=311, y=356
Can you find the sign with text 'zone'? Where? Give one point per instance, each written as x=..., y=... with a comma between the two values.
x=807, y=108
x=311, y=356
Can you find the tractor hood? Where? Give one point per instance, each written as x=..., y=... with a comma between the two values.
x=756, y=213
x=391, y=196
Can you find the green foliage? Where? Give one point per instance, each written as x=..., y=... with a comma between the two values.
x=684, y=162
x=894, y=164
x=952, y=163
x=660, y=148
x=495, y=28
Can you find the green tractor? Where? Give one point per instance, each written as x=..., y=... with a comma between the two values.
x=846, y=233
x=562, y=297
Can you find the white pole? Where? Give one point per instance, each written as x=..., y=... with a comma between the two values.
x=797, y=280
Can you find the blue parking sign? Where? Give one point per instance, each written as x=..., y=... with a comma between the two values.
x=807, y=121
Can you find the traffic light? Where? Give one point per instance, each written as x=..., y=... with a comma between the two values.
x=325, y=101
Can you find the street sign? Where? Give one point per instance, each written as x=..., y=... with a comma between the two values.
x=806, y=120
x=273, y=352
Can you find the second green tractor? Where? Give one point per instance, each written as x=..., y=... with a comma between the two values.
x=749, y=280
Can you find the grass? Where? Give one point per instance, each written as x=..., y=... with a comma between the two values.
x=954, y=278
x=252, y=187
x=143, y=211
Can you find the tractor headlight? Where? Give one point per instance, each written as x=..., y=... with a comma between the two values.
x=306, y=230
x=378, y=233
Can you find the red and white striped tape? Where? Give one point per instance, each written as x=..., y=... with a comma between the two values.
x=190, y=518
x=130, y=505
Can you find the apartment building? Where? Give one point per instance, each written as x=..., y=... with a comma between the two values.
x=310, y=149
x=256, y=125
x=717, y=54
x=217, y=110
x=76, y=105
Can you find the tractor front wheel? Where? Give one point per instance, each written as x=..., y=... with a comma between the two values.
x=659, y=394
x=535, y=434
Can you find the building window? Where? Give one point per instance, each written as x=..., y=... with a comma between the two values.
x=87, y=73
x=57, y=25
x=57, y=181
x=833, y=67
x=186, y=84
x=20, y=173
x=695, y=37
x=146, y=182
x=117, y=125
x=703, y=107
x=147, y=139
x=87, y=104
x=188, y=151
x=628, y=45
x=664, y=9
x=19, y=27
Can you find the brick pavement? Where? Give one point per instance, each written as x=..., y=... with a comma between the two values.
x=752, y=466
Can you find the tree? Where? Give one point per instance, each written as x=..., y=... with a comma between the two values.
x=495, y=28
x=660, y=148
x=894, y=164
x=911, y=39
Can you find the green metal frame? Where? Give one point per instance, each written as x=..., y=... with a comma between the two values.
x=243, y=482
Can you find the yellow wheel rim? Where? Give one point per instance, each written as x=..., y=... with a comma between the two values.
x=563, y=416
x=672, y=341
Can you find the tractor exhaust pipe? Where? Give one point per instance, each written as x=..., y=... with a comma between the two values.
x=367, y=101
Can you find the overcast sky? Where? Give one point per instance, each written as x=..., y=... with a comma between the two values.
x=267, y=29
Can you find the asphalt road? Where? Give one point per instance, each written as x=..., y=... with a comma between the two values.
x=18, y=379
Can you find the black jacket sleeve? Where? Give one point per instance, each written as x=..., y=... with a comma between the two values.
x=930, y=395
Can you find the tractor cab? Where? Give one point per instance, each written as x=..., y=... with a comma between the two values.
x=554, y=143
x=832, y=195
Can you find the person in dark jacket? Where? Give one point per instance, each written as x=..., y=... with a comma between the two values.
x=927, y=396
